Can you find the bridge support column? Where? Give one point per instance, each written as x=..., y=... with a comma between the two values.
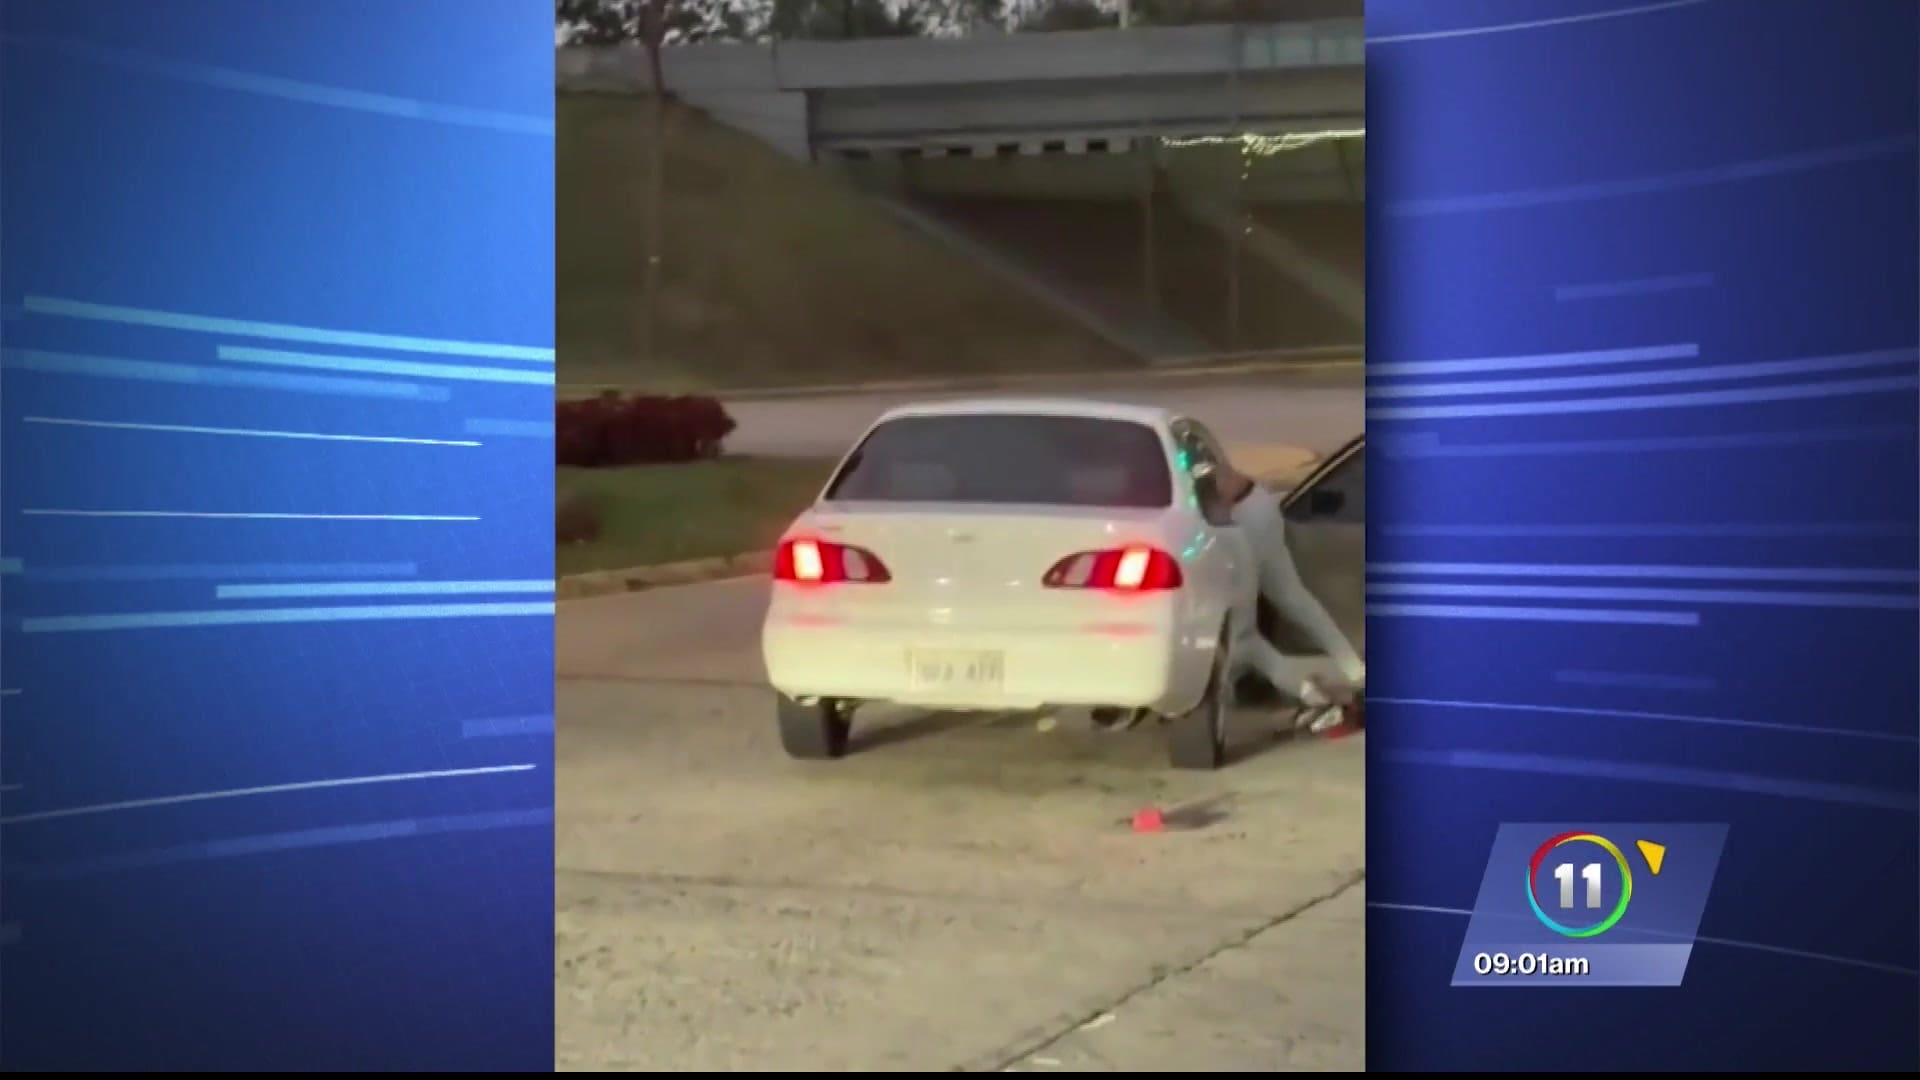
x=1149, y=192
x=1234, y=238
x=1235, y=243
x=1346, y=169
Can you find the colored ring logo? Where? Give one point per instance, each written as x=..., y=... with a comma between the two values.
x=1619, y=908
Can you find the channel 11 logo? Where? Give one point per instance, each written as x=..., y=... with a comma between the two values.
x=1591, y=913
x=1585, y=870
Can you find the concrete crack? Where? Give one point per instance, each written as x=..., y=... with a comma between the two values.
x=1004, y=1060
x=868, y=890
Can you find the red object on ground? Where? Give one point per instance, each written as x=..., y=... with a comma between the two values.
x=1148, y=820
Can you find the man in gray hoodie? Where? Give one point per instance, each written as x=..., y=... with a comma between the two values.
x=1326, y=698
x=1256, y=511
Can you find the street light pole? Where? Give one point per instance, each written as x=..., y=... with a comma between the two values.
x=1126, y=13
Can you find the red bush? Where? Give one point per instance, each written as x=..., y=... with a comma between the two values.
x=639, y=430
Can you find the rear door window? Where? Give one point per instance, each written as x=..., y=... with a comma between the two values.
x=1347, y=480
x=1009, y=459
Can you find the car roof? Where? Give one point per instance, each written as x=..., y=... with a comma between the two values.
x=1035, y=406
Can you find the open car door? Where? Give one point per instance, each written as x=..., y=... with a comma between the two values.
x=1326, y=531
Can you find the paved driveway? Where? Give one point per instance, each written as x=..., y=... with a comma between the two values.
x=952, y=896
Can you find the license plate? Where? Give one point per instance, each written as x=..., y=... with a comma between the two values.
x=946, y=669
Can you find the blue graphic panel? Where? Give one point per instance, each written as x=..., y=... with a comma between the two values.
x=276, y=327
x=1572, y=905
x=1643, y=379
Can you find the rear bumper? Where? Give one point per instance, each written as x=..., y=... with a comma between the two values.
x=1137, y=667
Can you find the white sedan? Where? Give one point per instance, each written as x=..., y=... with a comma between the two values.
x=1030, y=554
x=1007, y=555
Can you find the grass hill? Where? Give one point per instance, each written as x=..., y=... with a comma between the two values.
x=771, y=273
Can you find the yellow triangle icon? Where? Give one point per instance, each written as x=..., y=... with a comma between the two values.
x=1655, y=854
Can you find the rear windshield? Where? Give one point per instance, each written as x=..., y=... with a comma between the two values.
x=989, y=458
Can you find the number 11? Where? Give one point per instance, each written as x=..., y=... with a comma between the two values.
x=1589, y=873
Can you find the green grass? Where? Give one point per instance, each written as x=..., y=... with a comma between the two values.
x=665, y=513
x=772, y=273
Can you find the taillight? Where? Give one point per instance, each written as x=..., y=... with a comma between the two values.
x=822, y=562
x=1128, y=569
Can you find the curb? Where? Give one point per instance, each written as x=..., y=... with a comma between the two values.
x=1325, y=360
x=726, y=567
x=1306, y=357
x=639, y=578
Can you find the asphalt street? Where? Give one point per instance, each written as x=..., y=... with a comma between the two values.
x=953, y=896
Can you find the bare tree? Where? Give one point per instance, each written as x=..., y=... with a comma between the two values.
x=654, y=24
x=845, y=20
x=1067, y=15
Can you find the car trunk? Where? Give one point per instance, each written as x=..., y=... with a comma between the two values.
x=977, y=567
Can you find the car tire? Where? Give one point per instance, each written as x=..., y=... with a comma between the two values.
x=1253, y=689
x=1197, y=738
x=818, y=731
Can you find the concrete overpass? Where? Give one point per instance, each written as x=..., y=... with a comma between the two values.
x=967, y=139
x=998, y=94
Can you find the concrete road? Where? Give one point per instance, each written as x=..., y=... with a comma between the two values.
x=1320, y=411
x=953, y=896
